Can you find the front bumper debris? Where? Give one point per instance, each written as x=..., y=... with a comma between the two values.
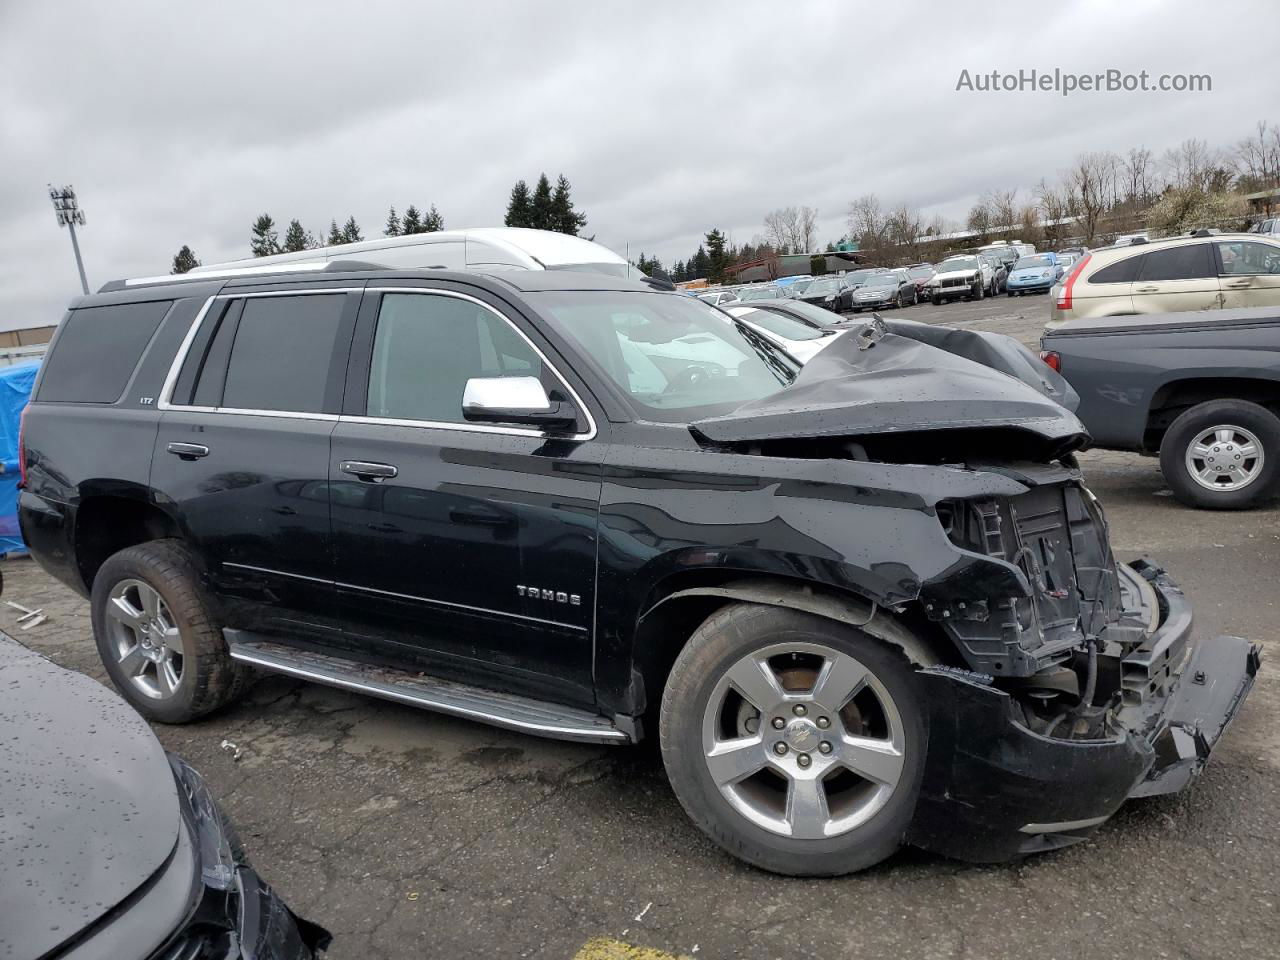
x=993, y=789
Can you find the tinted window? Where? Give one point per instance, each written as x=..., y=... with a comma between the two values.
x=1126, y=271
x=1249, y=257
x=785, y=327
x=1178, y=263
x=427, y=347
x=282, y=353
x=97, y=351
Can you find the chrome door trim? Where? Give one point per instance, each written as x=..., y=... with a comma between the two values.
x=276, y=573
x=462, y=606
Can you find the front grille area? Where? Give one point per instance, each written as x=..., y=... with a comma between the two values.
x=955, y=282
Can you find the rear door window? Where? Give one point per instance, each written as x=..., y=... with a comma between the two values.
x=1126, y=271
x=1190, y=262
x=97, y=351
x=1249, y=257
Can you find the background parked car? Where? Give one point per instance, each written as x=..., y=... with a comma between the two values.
x=762, y=292
x=801, y=340
x=1168, y=276
x=1268, y=228
x=1198, y=388
x=921, y=274
x=1035, y=274
x=964, y=275
x=823, y=292
x=893, y=288
x=999, y=274
x=718, y=297
x=807, y=313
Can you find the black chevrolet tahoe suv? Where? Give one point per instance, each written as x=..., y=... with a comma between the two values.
x=862, y=603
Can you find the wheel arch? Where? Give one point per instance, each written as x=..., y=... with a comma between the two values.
x=1174, y=397
x=106, y=523
x=681, y=604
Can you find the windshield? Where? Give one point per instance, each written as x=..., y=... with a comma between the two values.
x=917, y=272
x=1027, y=263
x=674, y=358
x=883, y=280
x=858, y=276
x=786, y=327
x=958, y=263
x=759, y=293
x=817, y=287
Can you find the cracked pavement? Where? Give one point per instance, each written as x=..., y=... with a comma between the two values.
x=411, y=834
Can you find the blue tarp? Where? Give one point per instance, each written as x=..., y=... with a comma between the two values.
x=15, y=390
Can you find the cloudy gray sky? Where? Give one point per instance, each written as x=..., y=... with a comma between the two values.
x=179, y=123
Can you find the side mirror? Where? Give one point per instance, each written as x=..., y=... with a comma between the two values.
x=514, y=400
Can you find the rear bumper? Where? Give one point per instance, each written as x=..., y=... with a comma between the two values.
x=994, y=789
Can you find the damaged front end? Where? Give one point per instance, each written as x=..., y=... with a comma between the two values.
x=1077, y=681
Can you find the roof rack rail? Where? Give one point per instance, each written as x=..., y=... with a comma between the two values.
x=314, y=266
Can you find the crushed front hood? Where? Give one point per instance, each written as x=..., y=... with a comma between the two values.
x=903, y=384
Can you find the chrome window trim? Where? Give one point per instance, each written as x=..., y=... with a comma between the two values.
x=171, y=378
x=588, y=434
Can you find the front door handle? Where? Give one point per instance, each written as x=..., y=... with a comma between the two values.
x=1234, y=284
x=188, y=451
x=1147, y=289
x=372, y=472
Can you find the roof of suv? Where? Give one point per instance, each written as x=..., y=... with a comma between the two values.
x=1149, y=245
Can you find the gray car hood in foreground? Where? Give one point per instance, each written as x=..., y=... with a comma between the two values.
x=88, y=804
x=901, y=383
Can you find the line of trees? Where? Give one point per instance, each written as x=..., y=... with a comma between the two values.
x=544, y=208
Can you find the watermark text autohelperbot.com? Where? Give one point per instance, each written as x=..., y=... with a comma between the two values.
x=1065, y=83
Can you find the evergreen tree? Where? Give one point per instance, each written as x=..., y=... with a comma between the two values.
x=351, y=231
x=295, y=238
x=335, y=234
x=392, y=228
x=264, y=240
x=519, y=209
x=542, y=213
x=701, y=264
x=717, y=259
x=564, y=218
x=184, y=260
x=432, y=222
x=412, y=222
x=678, y=272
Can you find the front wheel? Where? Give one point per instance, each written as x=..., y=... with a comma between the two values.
x=795, y=742
x=157, y=636
x=1223, y=454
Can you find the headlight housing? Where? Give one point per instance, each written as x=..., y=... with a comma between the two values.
x=218, y=859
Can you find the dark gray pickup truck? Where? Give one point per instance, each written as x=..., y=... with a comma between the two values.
x=1202, y=389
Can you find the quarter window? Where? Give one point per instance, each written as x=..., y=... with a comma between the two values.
x=282, y=353
x=425, y=349
x=1189, y=262
x=97, y=351
x=1126, y=271
x=1249, y=257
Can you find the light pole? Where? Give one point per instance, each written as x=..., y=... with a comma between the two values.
x=69, y=214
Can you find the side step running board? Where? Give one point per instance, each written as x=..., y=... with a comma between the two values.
x=487, y=706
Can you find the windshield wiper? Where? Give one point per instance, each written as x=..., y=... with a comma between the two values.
x=773, y=356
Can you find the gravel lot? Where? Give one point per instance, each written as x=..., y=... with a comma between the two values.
x=414, y=835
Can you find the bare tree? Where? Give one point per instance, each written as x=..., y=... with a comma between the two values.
x=1054, y=204
x=1257, y=158
x=1139, y=176
x=1091, y=187
x=806, y=229
x=1190, y=164
x=780, y=228
x=1003, y=205
x=980, y=218
x=868, y=223
x=905, y=228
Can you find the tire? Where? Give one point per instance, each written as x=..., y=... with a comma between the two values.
x=194, y=648
x=936, y=301
x=1009, y=293
x=699, y=686
x=1250, y=424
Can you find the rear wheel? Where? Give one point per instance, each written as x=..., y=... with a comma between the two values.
x=157, y=636
x=1223, y=454
x=795, y=742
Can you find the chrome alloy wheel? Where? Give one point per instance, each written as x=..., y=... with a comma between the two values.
x=146, y=641
x=803, y=740
x=1224, y=458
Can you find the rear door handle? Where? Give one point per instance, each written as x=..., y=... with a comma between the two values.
x=1237, y=283
x=373, y=472
x=1146, y=289
x=188, y=451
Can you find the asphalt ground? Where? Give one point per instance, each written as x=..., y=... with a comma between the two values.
x=410, y=834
